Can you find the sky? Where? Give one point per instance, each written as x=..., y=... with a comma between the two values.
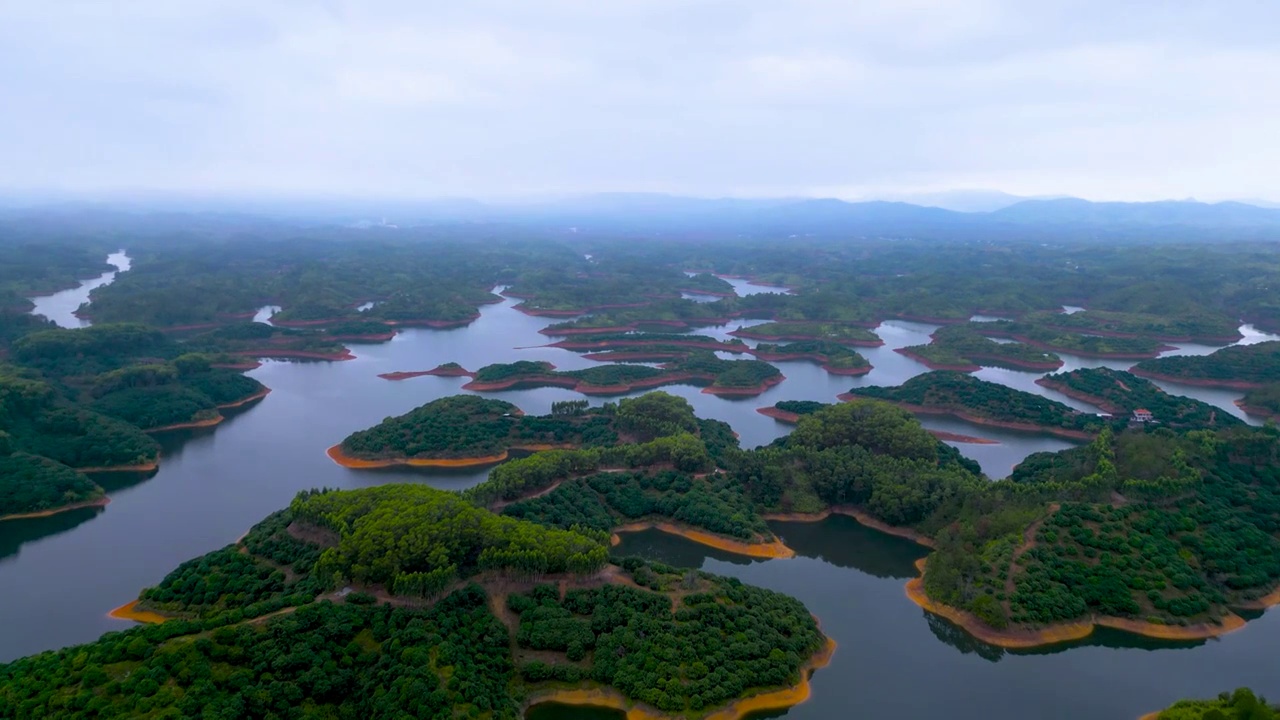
x=1103, y=99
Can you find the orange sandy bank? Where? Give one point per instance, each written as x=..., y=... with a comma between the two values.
x=129, y=611
x=100, y=502
x=763, y=702
x=335, y=454
x=861, y=516
x=140, y=467
x=188, y=425
x=773, y=549
x=1262, y=603
x=256, y=396
x=1062, y=632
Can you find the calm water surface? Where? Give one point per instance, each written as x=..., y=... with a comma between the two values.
x=60, y=307
x=63, y=573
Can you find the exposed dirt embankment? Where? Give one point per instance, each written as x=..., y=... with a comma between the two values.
x=100, y=502
x=772, y=549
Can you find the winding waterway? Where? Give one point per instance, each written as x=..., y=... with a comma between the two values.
x=61, y=307
x=62, y=573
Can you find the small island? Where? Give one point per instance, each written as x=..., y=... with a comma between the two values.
x=1132, y=398
x=699, y=368
x=1239, y=367
x=984, y=403
x=840, y=333
x=1066, y=340
x=962, y=348
x=449, y=369
x=833, y=357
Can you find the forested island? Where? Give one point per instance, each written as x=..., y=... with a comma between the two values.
x=702, y=368
x=982, y=402
x=962, y=348
x=1242, y=367
x=833, y=357
x=484, y=621
x=839, y=333
x=1046, y=336
x=1124, y=394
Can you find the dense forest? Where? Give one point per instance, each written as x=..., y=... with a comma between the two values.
x=834, y=357
x=256, y=632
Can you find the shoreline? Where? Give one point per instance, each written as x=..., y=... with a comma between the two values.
x=1064, y=433
x=99, y=503
x=438, y=371
x=932, y=365
x=770, y=550
x=599, y=696
x=748, y=391
x=1061, y=632
x=817, y=358
x=337, y=456
x=713, y=345
x=254, y=397
x=297, y=354
x=1197, y=339
x=129, y=611
x=187, y=425
x=1197, y=382
x=141, y=467
x=1254, y=410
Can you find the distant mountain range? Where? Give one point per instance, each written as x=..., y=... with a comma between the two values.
x=1007, y=216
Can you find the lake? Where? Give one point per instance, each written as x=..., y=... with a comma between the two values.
x=62, y=574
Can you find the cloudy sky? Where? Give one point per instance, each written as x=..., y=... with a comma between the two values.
x=1106, y=99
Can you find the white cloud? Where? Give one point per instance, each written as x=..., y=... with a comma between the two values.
x=1137, y=100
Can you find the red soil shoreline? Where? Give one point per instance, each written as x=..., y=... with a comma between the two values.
x=745, y=391
x=100, y=502
x=140, y=467
x=858, y=514
x=773, y=549
x=1197, y=382
x=436, y=324
x=1083, y=353
x=436, y=372
x=1001, y=424
x=187, y=425
x=256, y=396
x=1254, y=410
x=539, y=312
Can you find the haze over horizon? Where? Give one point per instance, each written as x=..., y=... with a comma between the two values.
x=498, y=99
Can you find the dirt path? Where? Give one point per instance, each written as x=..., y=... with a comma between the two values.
x=1028, y=542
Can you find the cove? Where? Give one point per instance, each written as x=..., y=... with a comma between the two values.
x=895, y=660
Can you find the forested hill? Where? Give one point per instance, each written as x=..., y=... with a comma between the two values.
x=453, y=610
